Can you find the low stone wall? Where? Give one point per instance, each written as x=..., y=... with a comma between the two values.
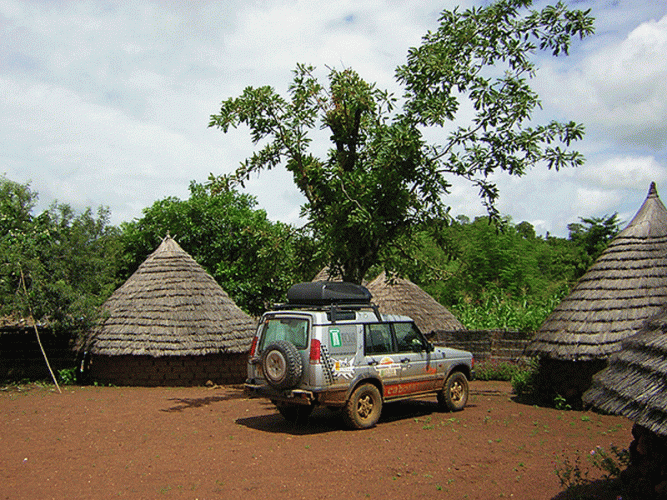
x=21, y=358
x=168, y=370
x=487, y=345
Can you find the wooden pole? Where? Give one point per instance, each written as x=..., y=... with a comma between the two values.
x=39, y=340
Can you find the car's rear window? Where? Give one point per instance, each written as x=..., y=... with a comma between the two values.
x=294, y=330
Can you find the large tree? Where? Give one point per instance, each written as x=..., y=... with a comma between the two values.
x=58, y=265
x=382, y=178
x=252, y=258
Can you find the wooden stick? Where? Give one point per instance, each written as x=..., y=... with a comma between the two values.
x=34, y=324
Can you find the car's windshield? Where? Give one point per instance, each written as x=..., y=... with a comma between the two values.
x=294, y=330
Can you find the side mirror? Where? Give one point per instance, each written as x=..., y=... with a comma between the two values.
x=417, y=345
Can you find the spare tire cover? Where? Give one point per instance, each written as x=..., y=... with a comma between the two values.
x=282, y=365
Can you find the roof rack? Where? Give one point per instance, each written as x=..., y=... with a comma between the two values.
x=329, y=296
x=333, y=308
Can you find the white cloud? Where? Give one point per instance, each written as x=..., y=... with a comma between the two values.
x=595, y=201
x=108, y=103
x=618, y=88
x=626, y=172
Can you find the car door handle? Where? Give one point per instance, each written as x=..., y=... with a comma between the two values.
x=372, y=362
x=405, y=360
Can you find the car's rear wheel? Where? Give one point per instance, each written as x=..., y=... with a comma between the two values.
x=364, y=407
x=281, y=364
x=454, y=394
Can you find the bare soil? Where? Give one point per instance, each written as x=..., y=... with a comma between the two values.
x=205, y=443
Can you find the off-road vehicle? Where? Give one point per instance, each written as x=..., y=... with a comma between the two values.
x=330, y=346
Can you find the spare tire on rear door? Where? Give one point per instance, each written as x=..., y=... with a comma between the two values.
x=281, y=364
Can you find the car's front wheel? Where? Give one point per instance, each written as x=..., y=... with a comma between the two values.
x=454, y=394
x=364, y=407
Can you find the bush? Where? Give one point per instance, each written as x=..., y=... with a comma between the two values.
x=521, y=374
x=67, y=376
x=523, y=381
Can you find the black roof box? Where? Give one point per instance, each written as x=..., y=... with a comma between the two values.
x=328, y=292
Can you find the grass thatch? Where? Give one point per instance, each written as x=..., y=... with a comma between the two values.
x=624, y=287
x=634, y=384
x=401, y=296
x=170, y=307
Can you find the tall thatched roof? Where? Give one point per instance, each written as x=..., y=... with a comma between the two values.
x=624, y=287
x=634, y=384
x=170, y=307
x=404, y=297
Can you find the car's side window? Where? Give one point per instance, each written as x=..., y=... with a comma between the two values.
x=378, y=339
x=408, y=337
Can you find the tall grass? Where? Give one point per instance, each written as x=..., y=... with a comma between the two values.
x=497, y=310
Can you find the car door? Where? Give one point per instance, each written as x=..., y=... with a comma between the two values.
x=418, y=372
x=380, y=353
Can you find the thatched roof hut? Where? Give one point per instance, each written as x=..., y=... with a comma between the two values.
x=169, y=308
x=634, y=384
x=401, y=296
x=625, y=286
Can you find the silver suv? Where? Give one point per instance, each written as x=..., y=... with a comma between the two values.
x=330, y=346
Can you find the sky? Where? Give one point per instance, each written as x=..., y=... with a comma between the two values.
x=107, y=103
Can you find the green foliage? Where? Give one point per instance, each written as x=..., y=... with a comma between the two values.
x=524, y=381
x=67, y=376
x=494, y=276
x=560, y=403
x=253, y=259
x=592, y=235
x=497, y=310
x=576, y=473
x=66, y=261
x=382, y=179
x=521, y=374
x=493, y=370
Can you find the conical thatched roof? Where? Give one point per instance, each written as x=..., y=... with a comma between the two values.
x=634, y=384
x=170, y=307
x=404, y=297
x=624, y=287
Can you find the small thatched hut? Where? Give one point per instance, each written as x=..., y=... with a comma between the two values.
x=401, y=296
x=170, y=323
x=634, y=385
x=625, y=286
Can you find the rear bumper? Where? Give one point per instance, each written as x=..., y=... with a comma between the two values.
x=292, y=396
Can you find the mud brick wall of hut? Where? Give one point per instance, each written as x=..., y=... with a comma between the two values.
x=21, y=358
x=494, y=346
x=169, y=370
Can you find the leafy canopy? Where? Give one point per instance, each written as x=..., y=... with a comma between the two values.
x=381, y=178
x=253, y=259
x=59, y=265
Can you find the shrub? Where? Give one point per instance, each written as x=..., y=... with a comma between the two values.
x=523, y=381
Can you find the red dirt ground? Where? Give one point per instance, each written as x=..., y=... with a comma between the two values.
x=205, y=443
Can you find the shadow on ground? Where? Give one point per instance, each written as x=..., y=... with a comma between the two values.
x=603, y=489
x=324, y=420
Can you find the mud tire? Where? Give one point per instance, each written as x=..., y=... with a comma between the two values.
x=363, y=409
x=454, y=394
x=282, y=365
